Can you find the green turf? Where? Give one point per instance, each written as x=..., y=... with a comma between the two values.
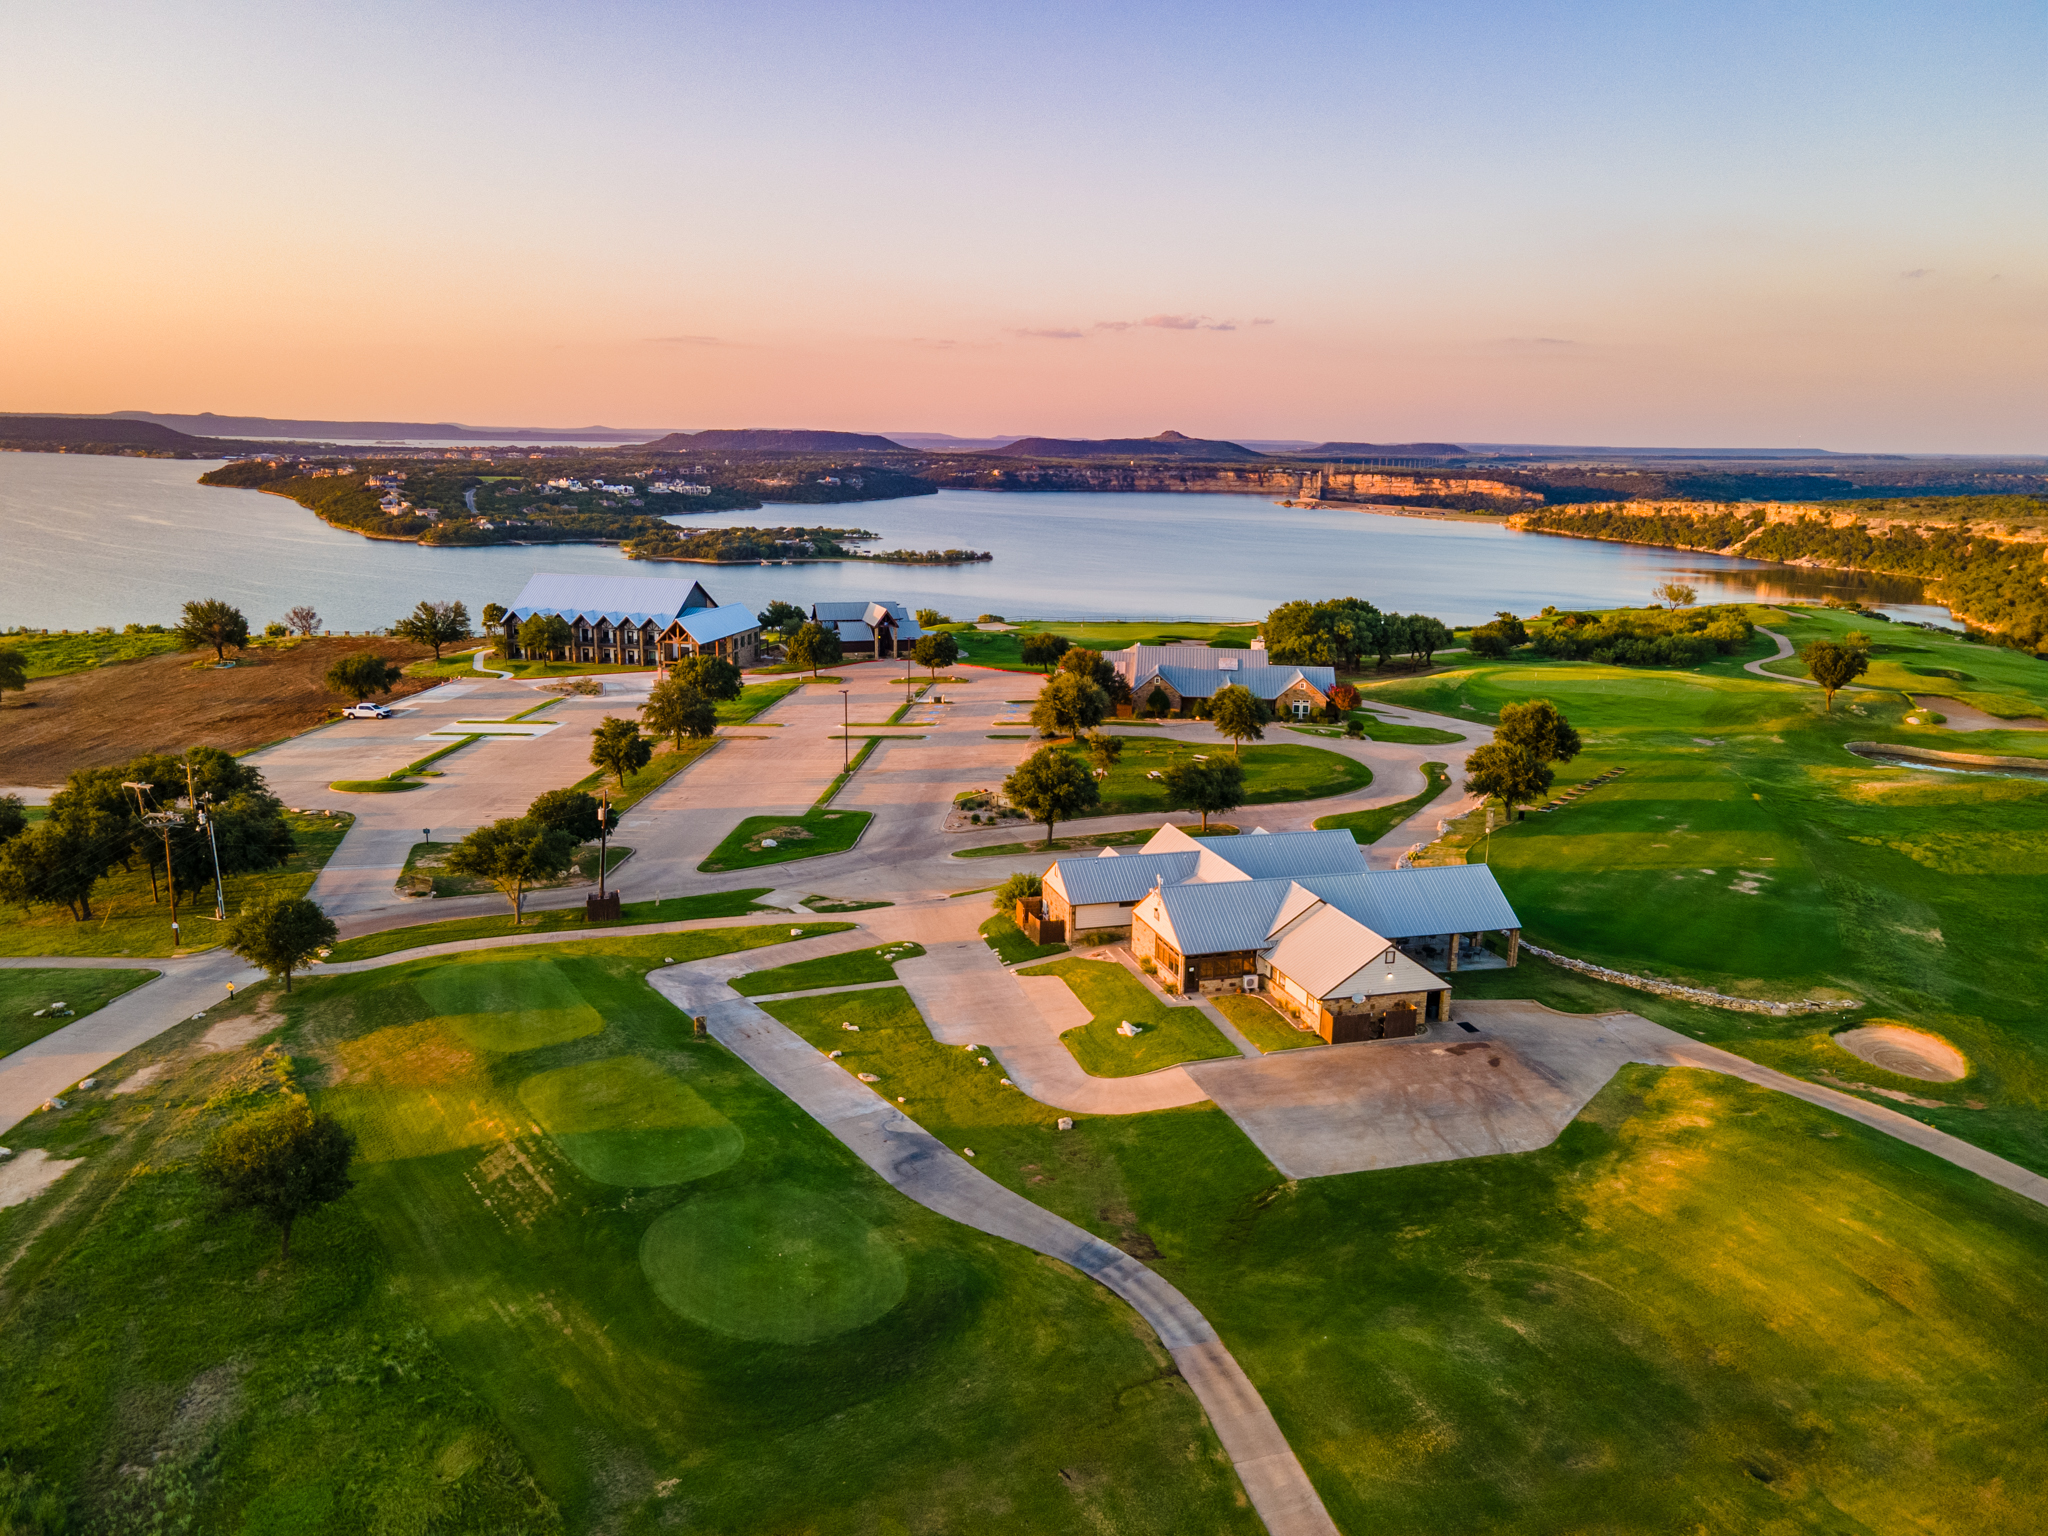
x=1273, y=773
x=126, y=921
x=27, y=992
x=1377, y=729
x=1004, y=648
x=753, y=699
x=374, y=786
x=827, y=904
x=851, y=968
x=1012, y=943
x=1370, y=826
x=1263, y=1024
x=815, y=833
x=1168, y=1034
x=624, y=1120
x=550, y=920
x=56, y=654
x=1746, y=850
x=668, y=761
x=509, y=1005
x=476, y=1313
x=779, y=1264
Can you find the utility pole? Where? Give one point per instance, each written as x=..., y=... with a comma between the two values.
x=220, y=900
x=163, y=821
x=845, y=725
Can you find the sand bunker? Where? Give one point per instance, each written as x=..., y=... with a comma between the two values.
x=30, y=1173
x=1906, y=1052
x=1967, y=717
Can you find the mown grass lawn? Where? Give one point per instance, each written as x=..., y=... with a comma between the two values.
x=2001, y=682
x=56, y=655
x=818, y=831
x=1272, y=773
x=589, y=1262
x=549, y=920
x=1004, y=648
x=125, y=921
x=1126, y=839
x=849, y=969
x=1370, y=826
x=27, y=992
x=1747, y=850
x=1263, y=1024
x=1167, y=1035
x=1012, y=943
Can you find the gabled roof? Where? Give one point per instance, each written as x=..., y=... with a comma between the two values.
x=705, y=625
x=637, y=598
x=1264, y=682
x=1225, y=915
x=1416, y=903
x=1334, y=955
x=858, y=621
x=1093, y=880
x=1292, y=855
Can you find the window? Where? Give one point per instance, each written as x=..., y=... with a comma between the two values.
x=1301, y=708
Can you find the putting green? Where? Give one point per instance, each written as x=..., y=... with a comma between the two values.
x=509, y=1005
x=624, y=1120
x=776, y=1264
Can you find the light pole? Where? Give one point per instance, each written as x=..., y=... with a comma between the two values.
x=604, y=826
x=845, y=725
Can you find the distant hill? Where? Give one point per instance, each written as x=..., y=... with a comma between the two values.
x=1167, y=445
x=1381, y=451
x=94, y=431
x=207, y=424
x=772, y=440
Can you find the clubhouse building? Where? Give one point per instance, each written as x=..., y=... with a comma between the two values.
x=636, y=620
x=883, y=630
x=1351, y=952
x=1184, y=673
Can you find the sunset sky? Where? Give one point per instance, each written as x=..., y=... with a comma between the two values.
x=1730, y=224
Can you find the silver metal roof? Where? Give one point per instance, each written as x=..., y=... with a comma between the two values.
x=656, y=597
x=1290, y=854
x=1264, y=682
x=705, y=625
x=1416, y=903
x=1223, y=915
x=1090, y=880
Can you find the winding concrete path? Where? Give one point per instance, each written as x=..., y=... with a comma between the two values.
x=926, y=1170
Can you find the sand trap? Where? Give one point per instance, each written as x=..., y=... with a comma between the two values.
x=29, y=1173
x=1906, y=1052
x=1967, y=717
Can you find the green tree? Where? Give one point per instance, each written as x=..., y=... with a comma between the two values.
x=52, y=861
x=1069, y=704
x=494, y=618
x=1516, y=632
x=1051, y=786
x=282, y=1163
x=617, y=747
x=1211, y=786
x=1332, y=633
x=781, y=617
x=1104, y=749
x=1490, y=641
x=713, y=676
x=1675, y=595
x=1159, y=701
x=1539, y=729
x=543, y=634
x=676, y=708
x=1835, y=665
x=434, y=624
x=1015, y=889
x=281, y=934
x=930, y=618
x=935, y=651
x=209, y=621
x=1239, y=714
x=363, y=674
x=513, y=853
x=1425, y=636
x=1043, y=650
x=815, y=645
x=13, y=817
x=567, y=810
x=13, y=673
x=1506, y=772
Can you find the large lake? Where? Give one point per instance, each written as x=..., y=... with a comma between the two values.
x=88, y=540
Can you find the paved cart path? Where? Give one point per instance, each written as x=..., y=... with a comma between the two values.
x=922, y=1167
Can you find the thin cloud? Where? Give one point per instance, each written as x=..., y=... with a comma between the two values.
x=1264, y=322
x=1049, y=335
x=684, y=341
x=1172, y=323
x=1916, y=273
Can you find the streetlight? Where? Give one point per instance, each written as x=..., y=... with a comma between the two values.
x=604, y=825
x=845, y=761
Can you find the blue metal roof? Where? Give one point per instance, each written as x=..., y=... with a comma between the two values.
x=1289, y=855
x=1125, y=878
x=1416, y=903
x=1264, y=682
x=660, y=598
x=705, y=625
x=1223, y=914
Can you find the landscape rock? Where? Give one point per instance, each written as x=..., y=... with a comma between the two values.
x=1127, y=1029
x=834, y=1055
x=854, y=1027
x=867, y=1077
x=1705, y=995
x=1066, y=1123
x=90, y=1082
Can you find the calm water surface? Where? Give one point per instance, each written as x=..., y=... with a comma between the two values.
x=87, y=540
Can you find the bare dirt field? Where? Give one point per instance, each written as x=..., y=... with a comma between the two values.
x=166, y=704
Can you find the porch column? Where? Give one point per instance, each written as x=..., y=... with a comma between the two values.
x=1514, y=945
x=1454, y=950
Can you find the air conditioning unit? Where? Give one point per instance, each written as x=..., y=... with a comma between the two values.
x=1251, y=983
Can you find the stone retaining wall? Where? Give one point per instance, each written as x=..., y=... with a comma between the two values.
x=1705, y=995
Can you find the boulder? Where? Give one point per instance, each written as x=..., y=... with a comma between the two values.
x=1066, y=1123
x=867, y=1077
